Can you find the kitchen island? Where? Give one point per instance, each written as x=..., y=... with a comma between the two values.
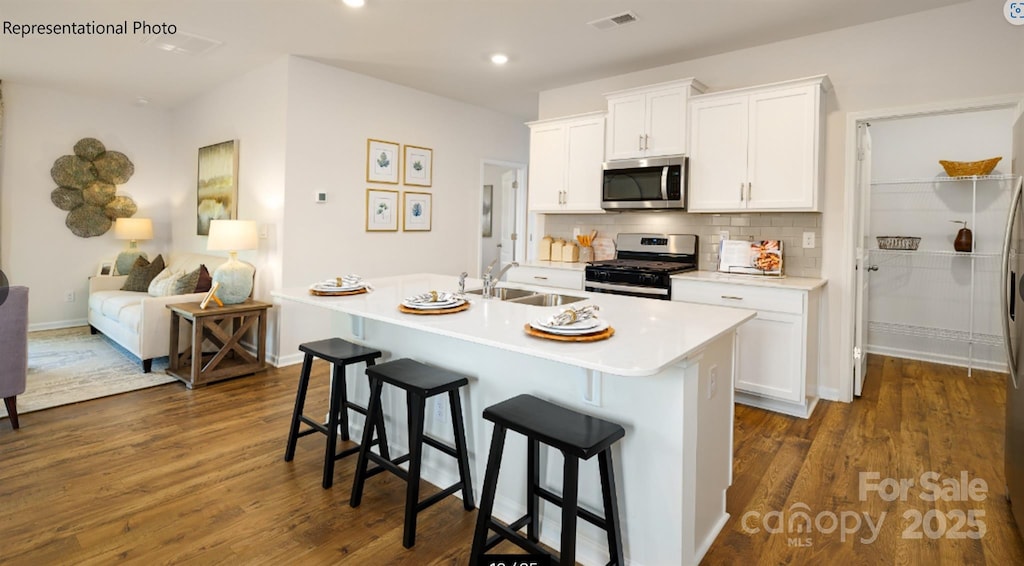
x=665, y=376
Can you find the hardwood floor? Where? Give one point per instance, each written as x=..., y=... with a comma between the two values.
x=175, y=476
x=913, y=418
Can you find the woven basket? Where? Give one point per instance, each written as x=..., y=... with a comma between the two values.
x=969, y=168
x=908, y=243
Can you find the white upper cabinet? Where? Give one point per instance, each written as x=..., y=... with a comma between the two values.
x=649, y=121
x=758, y=148
x=565, y=164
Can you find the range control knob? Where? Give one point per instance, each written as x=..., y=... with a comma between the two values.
x=648, y=279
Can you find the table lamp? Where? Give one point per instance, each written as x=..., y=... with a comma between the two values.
x=234, y=276
x=133, y=230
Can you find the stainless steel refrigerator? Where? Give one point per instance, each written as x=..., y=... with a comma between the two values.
x=1013, y=333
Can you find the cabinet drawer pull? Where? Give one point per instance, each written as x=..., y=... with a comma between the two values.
x=646, y=145
x=741, y=191
x=732, y=298
x=750, y=187
x=640, y=143
x=541, y=277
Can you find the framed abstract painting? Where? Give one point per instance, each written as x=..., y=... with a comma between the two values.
x=217, y=185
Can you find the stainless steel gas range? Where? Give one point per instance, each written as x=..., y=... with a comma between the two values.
x=643, y=265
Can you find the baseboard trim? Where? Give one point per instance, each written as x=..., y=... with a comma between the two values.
x=289, y=360
x=828, y=393
x=58, y=324
x=802, y=410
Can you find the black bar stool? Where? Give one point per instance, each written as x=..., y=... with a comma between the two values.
x=577, y=436
x=420, y=382
x=339, y=353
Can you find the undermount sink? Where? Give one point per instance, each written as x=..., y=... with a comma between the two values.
x=526, y=297
x=548, y=300
x=504, y=293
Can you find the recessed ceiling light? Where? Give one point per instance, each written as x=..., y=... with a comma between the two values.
x=499, y=58
x=354, y=3
x=141, y=101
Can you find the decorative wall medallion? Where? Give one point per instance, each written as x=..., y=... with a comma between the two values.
x=87, y=186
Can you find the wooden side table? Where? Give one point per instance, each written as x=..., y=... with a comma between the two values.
x=224, y=327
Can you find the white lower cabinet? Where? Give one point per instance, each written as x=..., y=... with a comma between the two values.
x=777, y=352
x=561, y=277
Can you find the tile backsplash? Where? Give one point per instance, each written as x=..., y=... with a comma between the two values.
x=786, y=226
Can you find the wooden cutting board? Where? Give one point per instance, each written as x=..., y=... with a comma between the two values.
x=459, y=308
x=336, y=293
x=602, y=335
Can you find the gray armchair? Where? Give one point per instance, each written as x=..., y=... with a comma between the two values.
x=13, y=349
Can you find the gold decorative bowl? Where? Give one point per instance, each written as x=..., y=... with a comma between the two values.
x=969, y=168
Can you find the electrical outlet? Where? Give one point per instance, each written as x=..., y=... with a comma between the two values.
x=320, y=197
x=712, y=382
x=264, y=231
x=576, y=232
x=723, y=234
x=808, y=239
x=69, y=296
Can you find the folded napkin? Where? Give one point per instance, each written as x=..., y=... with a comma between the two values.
x=572, y=315
x=344, y=281
x=432, y=297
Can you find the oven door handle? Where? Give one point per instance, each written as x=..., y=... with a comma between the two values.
x=664, y=183
x=650, y=291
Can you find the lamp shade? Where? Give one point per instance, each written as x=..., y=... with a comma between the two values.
x=133, y=229
x=232, y=235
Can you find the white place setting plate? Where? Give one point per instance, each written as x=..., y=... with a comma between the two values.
x=335, y=289
x=432, y=306
x=586, y=326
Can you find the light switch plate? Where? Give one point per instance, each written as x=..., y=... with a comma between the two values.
x=723, y=235
x=808, y=239
x=320, y=197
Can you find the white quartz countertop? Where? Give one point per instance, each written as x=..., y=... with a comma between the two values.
x=649, y=335
x=798, y=283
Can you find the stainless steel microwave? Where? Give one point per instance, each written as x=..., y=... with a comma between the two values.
x=645, y=184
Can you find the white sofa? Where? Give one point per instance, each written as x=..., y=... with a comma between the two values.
x=137, y=321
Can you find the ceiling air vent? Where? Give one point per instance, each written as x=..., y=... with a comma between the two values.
x=615, y=21
x=183, y=42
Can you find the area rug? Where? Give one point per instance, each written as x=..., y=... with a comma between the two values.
x=70, y=365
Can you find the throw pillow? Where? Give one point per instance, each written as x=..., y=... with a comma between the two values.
x=186, y=283
x=142, y=273
x=163, y=284
x=205, y=280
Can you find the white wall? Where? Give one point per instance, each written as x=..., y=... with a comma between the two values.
x=953, y=53
x=251, y=109
x=40, y=125
x=331, y=113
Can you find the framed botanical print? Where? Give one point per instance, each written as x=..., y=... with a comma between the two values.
x=418, y=210
x=419, y=166
x=381, y=210
x=381, y=161
x=217, y=186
